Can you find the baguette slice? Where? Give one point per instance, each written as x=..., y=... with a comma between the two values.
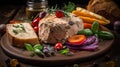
x=21, y=33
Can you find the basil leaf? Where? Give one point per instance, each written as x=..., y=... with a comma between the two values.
x=64, y=51
x=38, y=46
x=28, y=47
x=69, y=7
x=39, y=52
x=95, y=27
x=87, y=32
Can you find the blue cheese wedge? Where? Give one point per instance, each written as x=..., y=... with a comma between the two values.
x=21, y=33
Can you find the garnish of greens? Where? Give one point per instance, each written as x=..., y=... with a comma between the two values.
x=95, y=31
x=66, y=52
x=67, y=8
x=39, y=50
x=46, y=51
x=36, y=49
x=19, y=28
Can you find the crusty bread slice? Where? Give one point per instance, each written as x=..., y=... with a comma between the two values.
x=21, y=33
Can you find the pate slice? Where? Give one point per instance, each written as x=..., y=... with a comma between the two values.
x=53, y=29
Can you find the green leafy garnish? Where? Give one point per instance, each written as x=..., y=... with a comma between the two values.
x=38, y=46
x=69, y=7
x=39, y=52
x=95, y=27
x=36, y=49
x=105, y=35
x=15, y=31
x=19, y=28
x=95, y=31
x=87, y=32
x=53, y=9
x=66, y=52
x=29, y=47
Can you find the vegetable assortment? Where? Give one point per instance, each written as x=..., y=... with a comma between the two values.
x=90, y=44
x=97, y=32
x=90, y=40
x=40, y=50
x=86, y=39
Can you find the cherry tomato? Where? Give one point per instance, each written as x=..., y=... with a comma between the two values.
x=59, y=14
x=58, y=46
x=35, y=22
x=35, y=29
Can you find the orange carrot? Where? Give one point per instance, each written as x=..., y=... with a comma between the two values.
x=87, y=25
x=77, y=39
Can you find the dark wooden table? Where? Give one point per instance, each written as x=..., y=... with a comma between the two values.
x=12, y=12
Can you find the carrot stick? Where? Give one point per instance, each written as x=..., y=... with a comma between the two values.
x=87, y=25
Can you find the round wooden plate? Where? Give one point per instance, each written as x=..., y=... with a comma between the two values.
x=24, y=57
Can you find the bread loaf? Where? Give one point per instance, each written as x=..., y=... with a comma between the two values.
x=21, y=33
x=105, y=8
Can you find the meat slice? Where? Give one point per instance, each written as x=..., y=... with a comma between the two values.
x=53, y=29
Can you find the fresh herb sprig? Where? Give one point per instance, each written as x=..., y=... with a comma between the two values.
x=19, y=28
x=69, y=7
x=53, y=9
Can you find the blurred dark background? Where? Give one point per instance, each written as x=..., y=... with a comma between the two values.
x=50, y=2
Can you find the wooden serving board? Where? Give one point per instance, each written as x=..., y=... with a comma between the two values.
x=24, y=57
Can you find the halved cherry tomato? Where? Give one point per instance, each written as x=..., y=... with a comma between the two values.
x=87, y=25
x=35, y=29
x=58, y=46
x=35, y=22
x=77, y=39
x=59, y=14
